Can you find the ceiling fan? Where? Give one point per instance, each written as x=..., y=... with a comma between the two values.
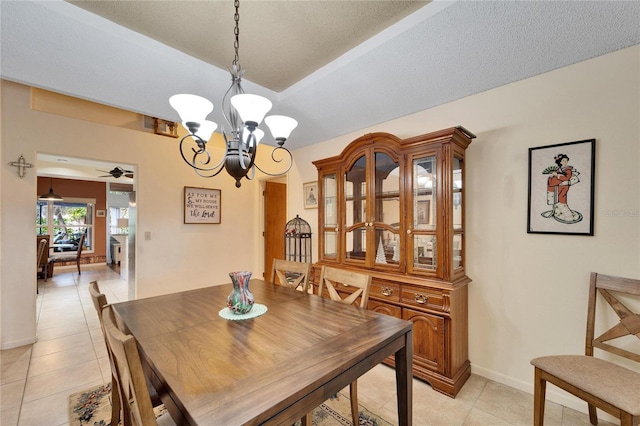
x=116, y=172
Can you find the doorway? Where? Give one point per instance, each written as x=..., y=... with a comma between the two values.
x=275, y=219
x=93, y=171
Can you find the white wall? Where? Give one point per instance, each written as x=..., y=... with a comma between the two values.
x=178, y=256
x=528, y=296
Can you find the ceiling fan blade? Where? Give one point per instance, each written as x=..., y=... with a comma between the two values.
x=129, y=175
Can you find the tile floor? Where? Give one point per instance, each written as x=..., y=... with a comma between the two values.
x=70, y=356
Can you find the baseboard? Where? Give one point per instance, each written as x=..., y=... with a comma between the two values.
x=17, y=343
x=553, y=393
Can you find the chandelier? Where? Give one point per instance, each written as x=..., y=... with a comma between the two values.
x=243, y=113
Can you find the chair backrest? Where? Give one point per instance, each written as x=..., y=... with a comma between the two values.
x=609, y=287
x=291, y=274
x=332, y=278
x=80, y=245
x=99, y=301
x=42, y=249
x=131, y=377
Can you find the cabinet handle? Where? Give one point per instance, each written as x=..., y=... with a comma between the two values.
x=409, y=231
x=387, y=291
x=420, y=298
x=337, y=229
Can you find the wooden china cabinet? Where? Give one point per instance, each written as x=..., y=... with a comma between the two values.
x=395, y=208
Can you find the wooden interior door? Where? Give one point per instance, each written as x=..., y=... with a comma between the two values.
x=275, y=219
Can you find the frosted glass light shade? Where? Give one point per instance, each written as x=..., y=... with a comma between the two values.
x=281, y=126
x=252, y=108
x=191, y=108
x=206, y=129
x=259, y=134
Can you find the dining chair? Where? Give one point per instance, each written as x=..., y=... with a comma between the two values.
x=70, y=256
x=41, y=263
x=99, y=302
x=600, y=383
x=292, y=274
x=355, y=286
x=136, y=401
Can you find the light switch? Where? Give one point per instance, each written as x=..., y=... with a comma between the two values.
x=147, y=235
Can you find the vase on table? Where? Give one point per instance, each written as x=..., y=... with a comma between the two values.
x=240, y=300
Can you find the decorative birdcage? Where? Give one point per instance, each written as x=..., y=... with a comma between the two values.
x=297, y=240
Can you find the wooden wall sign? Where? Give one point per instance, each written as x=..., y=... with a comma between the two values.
x=202, y=205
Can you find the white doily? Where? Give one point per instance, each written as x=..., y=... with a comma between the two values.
x=256, y=311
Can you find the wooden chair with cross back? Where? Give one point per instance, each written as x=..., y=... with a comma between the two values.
x=352, y=288
x=291, y=274
x=601, y=383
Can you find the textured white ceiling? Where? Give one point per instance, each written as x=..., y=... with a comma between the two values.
x=442, y=52
x=280, y=42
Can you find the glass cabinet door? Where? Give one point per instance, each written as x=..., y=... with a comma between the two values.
x=458, y=219
x=424, y=218
x=386, y=215
x=355, y=196
x=330, y=217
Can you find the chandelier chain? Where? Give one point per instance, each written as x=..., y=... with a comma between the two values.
x=236, y=31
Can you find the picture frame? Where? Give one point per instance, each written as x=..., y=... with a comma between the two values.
x=202, y=205
x=561, y=188
x=310, y=194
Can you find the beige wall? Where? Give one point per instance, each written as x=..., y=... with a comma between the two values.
x=529, y=291
x=177, y=257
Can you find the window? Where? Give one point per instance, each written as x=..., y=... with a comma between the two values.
x=65, y=222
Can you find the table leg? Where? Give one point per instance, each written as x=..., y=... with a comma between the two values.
x=404, y=381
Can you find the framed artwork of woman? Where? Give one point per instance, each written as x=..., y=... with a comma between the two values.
x=561, y=188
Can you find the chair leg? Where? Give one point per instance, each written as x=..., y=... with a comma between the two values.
x=626, y=419
x=593, y=415
x=353, y=394
x=306, y=420
x=115, y=402
x=540, y=386
x=78, y=263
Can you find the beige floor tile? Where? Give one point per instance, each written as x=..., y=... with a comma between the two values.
x=10, y=356
x=50, y=410
x=61, y=331
x=62, y=379
x=14, y=371
x=377, y=387
x=60, y=344
x=9, y=417
x=514, y=406
x=63, y=359
x=571, y=417
x=478, y=417
x=105, y=368
x=11, y=395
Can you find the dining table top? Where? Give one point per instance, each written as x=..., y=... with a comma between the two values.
x=271, y=369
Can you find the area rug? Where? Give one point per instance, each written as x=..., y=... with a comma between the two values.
x=92, y=407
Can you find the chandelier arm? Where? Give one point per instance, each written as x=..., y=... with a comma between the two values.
x=251, y=150
x=275, y=160
x=197, y=153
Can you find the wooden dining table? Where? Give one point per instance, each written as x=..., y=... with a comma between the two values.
x=271, y=369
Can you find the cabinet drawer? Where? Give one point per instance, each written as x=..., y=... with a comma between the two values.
x=385, y=291
x=384, y=308
x=425, y=298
